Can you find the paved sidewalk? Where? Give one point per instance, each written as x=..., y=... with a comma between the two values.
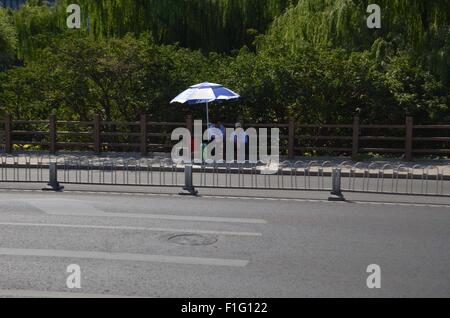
x=430, y=166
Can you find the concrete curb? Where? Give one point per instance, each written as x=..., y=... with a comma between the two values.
x=235, y=193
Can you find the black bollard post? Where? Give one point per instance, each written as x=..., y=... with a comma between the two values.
x=53, y=184
x=188, y=182
x=336, y=192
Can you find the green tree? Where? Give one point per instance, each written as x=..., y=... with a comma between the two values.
x=79, y=77
x=422, y=28
x=318, y=62
x=8, y=39
x=209, y=25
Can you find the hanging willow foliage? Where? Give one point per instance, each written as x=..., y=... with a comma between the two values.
x=8, y=39
x=210, y=25
x=418, y=26
x=421, y=27
x=36, y=25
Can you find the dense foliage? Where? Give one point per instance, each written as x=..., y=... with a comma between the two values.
x=422, y=28
x=8, y=40
x=209, y=25
x=317, y=61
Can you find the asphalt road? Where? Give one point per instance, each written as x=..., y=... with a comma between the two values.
x=165, y=245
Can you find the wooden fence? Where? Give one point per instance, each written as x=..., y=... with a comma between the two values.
x=407, y=140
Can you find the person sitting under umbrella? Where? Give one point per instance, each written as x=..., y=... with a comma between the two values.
x=240, y=140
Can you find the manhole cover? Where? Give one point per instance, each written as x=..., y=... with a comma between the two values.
x=192, y=239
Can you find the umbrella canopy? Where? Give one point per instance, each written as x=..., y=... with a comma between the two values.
x=205, y=93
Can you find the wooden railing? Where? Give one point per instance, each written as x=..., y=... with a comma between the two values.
x=147, y=137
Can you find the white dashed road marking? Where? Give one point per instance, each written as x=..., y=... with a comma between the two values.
x=49, y=294
x=130, y=228
x=65, y=207
x=124, y=257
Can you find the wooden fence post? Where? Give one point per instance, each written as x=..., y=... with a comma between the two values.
x=8, y=133
x=409, y=138
x=97, y=141
x=291, y=147
x=52, y=134
x=355, y=143
x=144, y=135
x=240, y=120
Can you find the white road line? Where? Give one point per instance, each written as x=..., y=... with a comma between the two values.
x=416, y=205
x=124, y=257
x=426, y=205
x=131, y=228
x=166, y=217
x=49, y=294
x=65, y=207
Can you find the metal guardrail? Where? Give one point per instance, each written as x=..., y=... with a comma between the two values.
x=314, y=176
x=396, y=179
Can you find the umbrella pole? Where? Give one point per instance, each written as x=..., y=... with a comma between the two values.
x=207, y=116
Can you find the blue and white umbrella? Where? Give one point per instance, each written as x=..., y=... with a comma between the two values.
x=205, y=93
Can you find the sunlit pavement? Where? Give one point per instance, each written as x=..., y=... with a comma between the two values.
x=223, y=244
